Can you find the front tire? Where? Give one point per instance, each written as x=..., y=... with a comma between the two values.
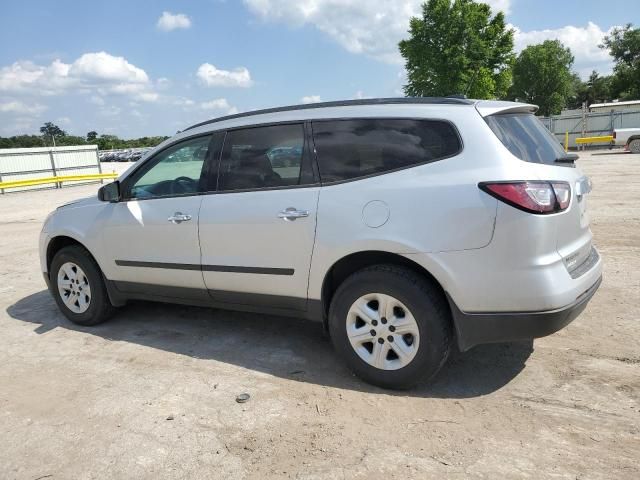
x=391, y=326
x=78, y=287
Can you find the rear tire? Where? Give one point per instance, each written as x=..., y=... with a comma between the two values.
x=634, y=146
x=391, y=326
x=78, y=287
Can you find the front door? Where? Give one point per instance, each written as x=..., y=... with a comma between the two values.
x=257, y=232
x=152, y=235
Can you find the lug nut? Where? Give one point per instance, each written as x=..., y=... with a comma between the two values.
x=373, y=333
x=374, y=323
x=384, y=320
x=381, y=340
x=390, y=338
x=392, y=328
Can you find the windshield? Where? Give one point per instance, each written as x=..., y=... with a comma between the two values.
x=525, y=136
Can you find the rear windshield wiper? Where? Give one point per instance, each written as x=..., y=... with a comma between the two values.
x=568, y=158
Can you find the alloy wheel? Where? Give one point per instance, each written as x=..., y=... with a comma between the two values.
x=382, y=331
x=74, y=288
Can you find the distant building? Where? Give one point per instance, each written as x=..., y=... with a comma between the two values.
x=615, y=106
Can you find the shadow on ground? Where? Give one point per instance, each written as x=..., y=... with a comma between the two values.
x=279, y=346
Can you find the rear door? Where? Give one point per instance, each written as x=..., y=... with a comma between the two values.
x=526, y=138
x=257, y=231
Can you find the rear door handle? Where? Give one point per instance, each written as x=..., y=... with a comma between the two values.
x=179, y=217
x=291, y=213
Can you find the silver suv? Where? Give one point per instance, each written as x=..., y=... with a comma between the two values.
x=406, y=226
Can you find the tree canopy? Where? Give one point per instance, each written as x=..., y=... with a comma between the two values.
x=62, y=138
x=51, y=130
x=458, y=47
x=542, y=76
x=624, y=46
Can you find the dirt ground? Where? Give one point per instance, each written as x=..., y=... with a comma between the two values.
x=152, y=393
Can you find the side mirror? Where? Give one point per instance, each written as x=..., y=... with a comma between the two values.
x=110, y=192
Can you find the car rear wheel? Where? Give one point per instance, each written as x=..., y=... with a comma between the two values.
x=634, y=146
x=78, y=287
x=391, y=326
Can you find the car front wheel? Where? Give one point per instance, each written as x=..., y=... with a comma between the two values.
x=390, y=325
x=78, y=287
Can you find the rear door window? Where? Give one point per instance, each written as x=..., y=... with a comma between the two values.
x=526, y=138
x=349, y=149
x=262, y=157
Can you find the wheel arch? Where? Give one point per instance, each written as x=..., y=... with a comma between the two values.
x=353, y=262
x=61, y=241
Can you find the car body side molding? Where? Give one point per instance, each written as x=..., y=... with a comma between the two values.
x=207, y=268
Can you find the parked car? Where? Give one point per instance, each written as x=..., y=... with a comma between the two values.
x=108, y=157
x=406, y=226
x=627, y=137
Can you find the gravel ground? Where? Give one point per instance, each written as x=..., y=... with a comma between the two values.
x=152, y=393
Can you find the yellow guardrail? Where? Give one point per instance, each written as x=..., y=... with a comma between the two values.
x=58, y=179
x=601, y=139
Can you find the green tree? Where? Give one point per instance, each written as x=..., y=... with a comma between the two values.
x=51, y=130
x=624, y=46
x=91, y=136
x=542, y=76
x=71, y=140
x=457, y=47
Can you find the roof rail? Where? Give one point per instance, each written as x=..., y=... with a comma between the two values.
x=343, y=103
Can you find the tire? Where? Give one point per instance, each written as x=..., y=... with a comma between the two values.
x=634, y=146
x=92, y=305
x=411, y=301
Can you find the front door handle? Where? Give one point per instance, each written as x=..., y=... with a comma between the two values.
x=179, y=217
x=291, y=213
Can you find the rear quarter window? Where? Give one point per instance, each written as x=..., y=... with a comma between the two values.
x=526, y=137
x=354, y=148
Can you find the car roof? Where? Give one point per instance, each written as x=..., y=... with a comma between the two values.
x=454, y=100
x=401, y=106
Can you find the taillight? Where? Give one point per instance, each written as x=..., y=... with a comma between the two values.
x=531, y=196
x=614, y=135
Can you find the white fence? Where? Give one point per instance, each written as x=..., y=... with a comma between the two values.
x=34, y=163
x=596, y=124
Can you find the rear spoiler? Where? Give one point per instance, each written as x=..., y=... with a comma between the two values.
x=491, y=107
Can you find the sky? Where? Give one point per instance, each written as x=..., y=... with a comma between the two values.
x=134, y=68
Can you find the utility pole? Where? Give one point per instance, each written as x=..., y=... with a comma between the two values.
x=584, y=122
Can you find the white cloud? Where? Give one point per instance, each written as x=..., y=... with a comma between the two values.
x=26, y=76
x=210, y=76
x=110, y=111
x=183, y=102
x=220, y=104
x=21, y=108
x=163, y=83
x=311, y=99
x=169, y=21
x=96, y=100
x=360, y=95
x=97, y=71
x=583, y=42
x=18, y=126
x=102, y=67
x=370, y=27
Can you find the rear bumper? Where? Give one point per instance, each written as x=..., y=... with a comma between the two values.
x=479, y=328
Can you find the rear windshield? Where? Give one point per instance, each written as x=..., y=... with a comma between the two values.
x=525, y=136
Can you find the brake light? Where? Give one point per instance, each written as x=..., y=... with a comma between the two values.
x=614, y=135
x=531, y=196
